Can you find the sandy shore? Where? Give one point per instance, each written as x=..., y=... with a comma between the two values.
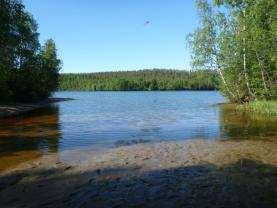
x=22, y=108
x=168, y=174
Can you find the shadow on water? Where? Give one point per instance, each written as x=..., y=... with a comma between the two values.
x=29, y=136
x=246, y=183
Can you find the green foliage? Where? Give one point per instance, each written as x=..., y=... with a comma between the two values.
x=50, y=68
x=27, y=72
x=262, y=108
x=156, y=79
x=237, y=38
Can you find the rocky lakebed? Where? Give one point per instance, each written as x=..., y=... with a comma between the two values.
x=193, y=173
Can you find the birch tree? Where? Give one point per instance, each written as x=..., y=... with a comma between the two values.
x=238, y=39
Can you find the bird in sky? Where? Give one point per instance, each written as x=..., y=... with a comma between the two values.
x=146, y=23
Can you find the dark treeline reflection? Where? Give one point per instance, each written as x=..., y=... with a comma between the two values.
x=235, y=125
x=28, y=137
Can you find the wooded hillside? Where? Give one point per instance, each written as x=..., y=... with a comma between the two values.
x=156, y=79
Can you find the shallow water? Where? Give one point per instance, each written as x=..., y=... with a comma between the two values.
x=95, y=120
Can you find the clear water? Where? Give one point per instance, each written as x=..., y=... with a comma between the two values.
x=94, y=120
x=102, y=118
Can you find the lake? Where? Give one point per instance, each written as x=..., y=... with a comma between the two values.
x=96, y=120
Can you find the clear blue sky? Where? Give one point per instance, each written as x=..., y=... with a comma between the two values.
x=106, y=35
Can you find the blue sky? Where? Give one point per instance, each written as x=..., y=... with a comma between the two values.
x=106, y=35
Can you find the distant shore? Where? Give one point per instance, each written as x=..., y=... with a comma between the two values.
x=16, y=109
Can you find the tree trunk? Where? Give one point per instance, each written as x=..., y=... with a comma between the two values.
x=218, y=68
x=244, y=60
x=225, y=83
x=262, y=72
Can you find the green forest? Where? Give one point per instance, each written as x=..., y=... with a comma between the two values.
x=156, y=79
x=237, y=39
x=233, y=50
x=29, y=71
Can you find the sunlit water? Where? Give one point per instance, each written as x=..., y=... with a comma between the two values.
x=95, y=120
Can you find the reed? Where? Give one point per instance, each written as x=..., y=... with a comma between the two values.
x=259, y=108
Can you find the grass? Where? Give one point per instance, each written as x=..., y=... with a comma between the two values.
x=259, y=108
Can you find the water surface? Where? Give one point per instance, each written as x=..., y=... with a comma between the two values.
x=95, y=120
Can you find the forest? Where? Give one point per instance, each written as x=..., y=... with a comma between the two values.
x=29, y=71
x=233, y=50
x=237, y=39
x=155, y=79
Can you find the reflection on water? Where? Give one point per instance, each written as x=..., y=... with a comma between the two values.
x=29, y=136
x=235, y=125
x=105, y=119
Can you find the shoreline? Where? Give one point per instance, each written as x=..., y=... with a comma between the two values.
x=189, y=173
x=17, y=109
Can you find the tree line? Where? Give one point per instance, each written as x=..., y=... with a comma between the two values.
x=237, y=39
x=29, y=71
x=156, y=79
